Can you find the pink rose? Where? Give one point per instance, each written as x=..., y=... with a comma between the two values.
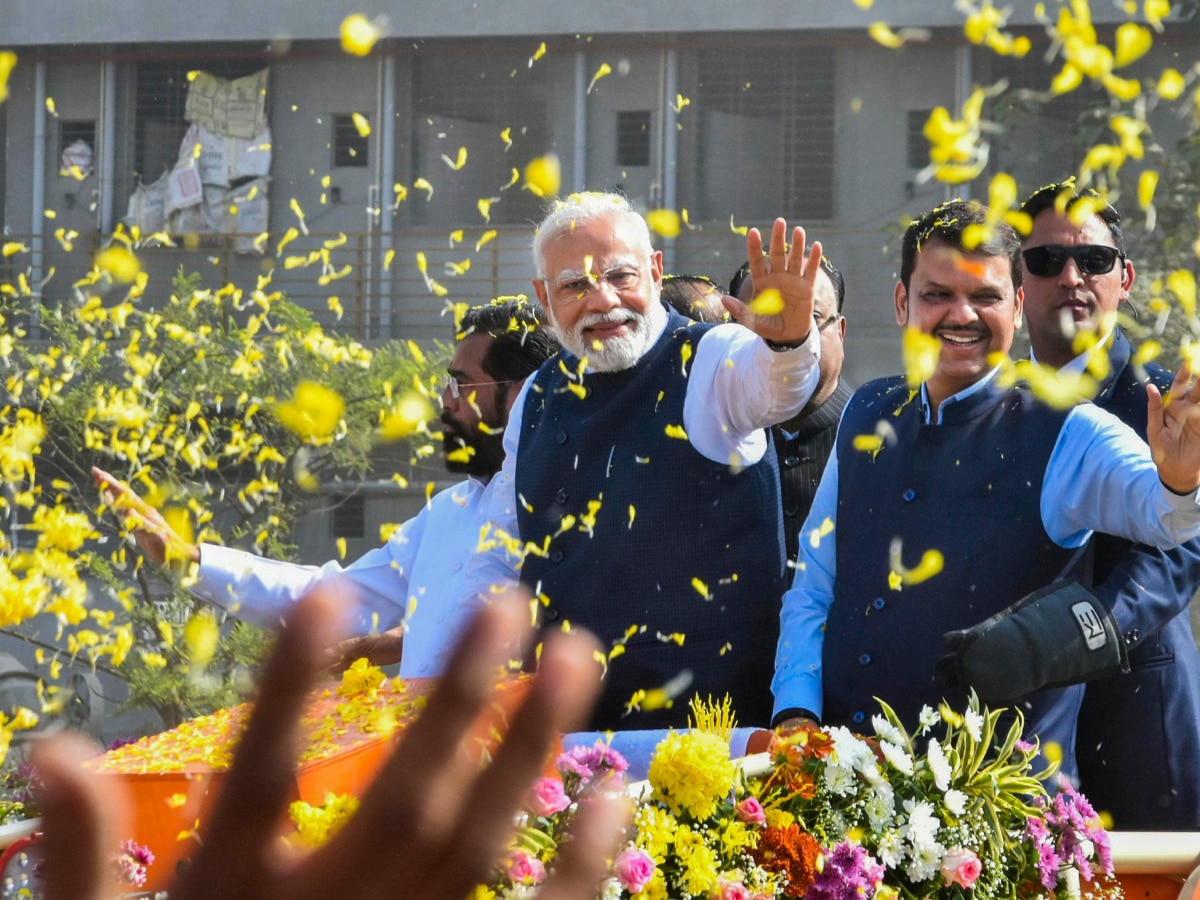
x=732, y=890
x=525, y=869
x=634, y=869
x=751, y=812
x=548, y=797
x=961, y=867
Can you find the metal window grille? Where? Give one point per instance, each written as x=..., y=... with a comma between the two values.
x=72, y=130
x=771, y=115
x=350, y=516
x=466, y=96
x=633, y=137
x=917, y=146
x=349, y=146
x=160, y=98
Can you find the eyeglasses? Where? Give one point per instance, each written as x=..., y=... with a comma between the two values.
x=823, y=322
x=1092, y=259
x=455, y=387
x=572, y=289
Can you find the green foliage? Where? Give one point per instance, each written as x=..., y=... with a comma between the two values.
x=178, y=399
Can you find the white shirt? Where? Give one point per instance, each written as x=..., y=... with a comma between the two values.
x=1099, y=477
x=737, y=387
x=415, y=579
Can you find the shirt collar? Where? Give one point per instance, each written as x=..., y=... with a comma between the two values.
x=1079, y=364
x=964, y=394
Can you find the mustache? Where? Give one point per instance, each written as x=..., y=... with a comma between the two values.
x=613, y=317
x=976, y=330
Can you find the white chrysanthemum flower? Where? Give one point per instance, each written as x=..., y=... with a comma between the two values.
x=839, y=779
x=956, y=802
x=881, y=809
x=886, y=731
x=938, y=765
x=610, y=889
x=925, y=862
x=850, y=750
x=922, y=827
x=897, y=757
x=890, y=848
x=974, y=722
x=928, y=718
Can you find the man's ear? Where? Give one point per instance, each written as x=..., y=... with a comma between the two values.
x=656, y=268
x=1019, y=307
x=901, y=294
x=1127, y=277
x=539, y=288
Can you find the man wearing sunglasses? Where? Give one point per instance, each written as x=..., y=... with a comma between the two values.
x=1138, y=733
x=408, y=590
x=949, y=502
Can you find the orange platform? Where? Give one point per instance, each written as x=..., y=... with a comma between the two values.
x=175, y=777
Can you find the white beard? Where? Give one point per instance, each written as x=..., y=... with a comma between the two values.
x=615, y=354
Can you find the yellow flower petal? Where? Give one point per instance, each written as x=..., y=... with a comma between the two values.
x=359, y=34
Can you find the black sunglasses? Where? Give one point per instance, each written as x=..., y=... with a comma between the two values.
x=1092, y=259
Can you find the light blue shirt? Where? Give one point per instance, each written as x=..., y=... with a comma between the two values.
x=1100, y=477
x=414, y=580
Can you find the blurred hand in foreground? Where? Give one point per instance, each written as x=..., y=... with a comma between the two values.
x=432, y=825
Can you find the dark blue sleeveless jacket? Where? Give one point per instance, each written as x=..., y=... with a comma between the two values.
x=673, y=544
x=970, y=487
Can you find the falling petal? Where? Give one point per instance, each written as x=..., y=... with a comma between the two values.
x=506, y=136
x=680, y=102
x=512, y=180
x=665, y=222
x=459, y=161
x=361, y=124
x=294, y=205
x=543, y=175
x=341, y=547
x=201, y=634
x=605, y=69
x=1133, y=42
x=422, y=184
x=768, y=302
x=742, y=230
x=335, y=306
x=8, y=60
x=484, y=205
x=920, y=352
x=701, y=588
x=677, y=432
x=119, y=262
x=1170, y=84
x=537, y=54
x=359, y=34
x=484, y=239
x=1182, y=283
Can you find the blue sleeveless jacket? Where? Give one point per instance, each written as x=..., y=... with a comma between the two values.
x=685, y=552
x=969, y=487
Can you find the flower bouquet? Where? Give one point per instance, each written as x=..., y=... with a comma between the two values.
x=953, y=812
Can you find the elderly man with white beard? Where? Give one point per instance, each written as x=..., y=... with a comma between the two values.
x=639, y=496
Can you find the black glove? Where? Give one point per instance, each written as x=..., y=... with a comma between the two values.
x=1056, y=636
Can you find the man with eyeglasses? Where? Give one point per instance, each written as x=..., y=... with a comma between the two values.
x=409, y=589
x=1138, y=731
x=946, y=500
x=803, y=443
x=639, y=485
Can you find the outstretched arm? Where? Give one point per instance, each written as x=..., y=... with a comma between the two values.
x=792, y=273
x=431, y=825
x=159, y=541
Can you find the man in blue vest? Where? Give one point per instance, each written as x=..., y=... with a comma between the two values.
x=639, y=484
x=1004, y=487
x=1138, y=732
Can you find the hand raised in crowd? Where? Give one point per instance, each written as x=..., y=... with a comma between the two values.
x=1173, y=432
x=792, y=273
x=432, y=825
x=159, y=541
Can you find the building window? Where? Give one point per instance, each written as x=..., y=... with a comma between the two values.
x=350, y=516
x=633, y=137
x=917, y=149
x=72, y=130
x=467, y=95
x=160, y=99
x=770, y=117
x=349, y=145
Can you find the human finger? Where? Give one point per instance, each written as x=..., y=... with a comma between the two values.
x=83, y=816
x=582, y=862
x=420, y=793
x=795, y=259
x=562, y=694
x=754, y=254
x=778, y=250
x=232, y=858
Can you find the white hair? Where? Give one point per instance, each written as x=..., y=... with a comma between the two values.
x=582, y=208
